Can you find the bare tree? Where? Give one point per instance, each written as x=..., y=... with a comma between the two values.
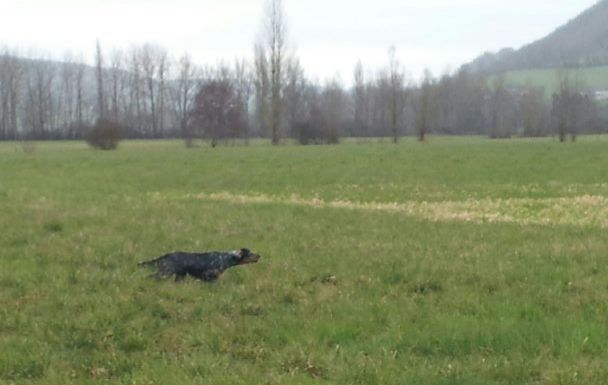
x=360, y=101
x=116, y=85
x=271, y=56
x=149, y=67
x=243, y=86
x=11, y=76
x=262, y=90
x=396, y=87
x=533, y=110
x=468, y=98
x=135, y=107
x=324, y=113
x=424, y=110
x=562, y=104
x=501, y=109
x=183, y=97
x=15, y=79
x=333, y=110
x=4, y=96
x=68, y=74
x=101, y=104
x=163, y=67
x=153, y=61
x=39, y=102
x=79, y=85
x=216, y=112
x=570, y=105
x=295, y=87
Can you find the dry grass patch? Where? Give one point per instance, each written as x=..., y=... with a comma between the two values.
x=584, y=210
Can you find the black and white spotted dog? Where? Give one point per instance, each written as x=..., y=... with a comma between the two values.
x=204, y=266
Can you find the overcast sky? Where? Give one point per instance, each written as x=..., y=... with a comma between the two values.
x=329, y=36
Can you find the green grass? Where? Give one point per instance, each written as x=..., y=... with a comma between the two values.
x=595, y=78
x=380, y=264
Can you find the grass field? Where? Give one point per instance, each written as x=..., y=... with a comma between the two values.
x=595, y=78
x=458, y=261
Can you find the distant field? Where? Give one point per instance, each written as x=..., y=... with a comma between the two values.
x=457, y=261
x=595, y=77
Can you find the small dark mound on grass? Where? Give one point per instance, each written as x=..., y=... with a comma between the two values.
x=53, y=227
x=426, y=288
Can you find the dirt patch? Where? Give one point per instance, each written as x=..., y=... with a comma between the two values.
x=584, y=210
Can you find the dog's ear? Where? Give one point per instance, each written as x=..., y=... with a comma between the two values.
x=240, y=253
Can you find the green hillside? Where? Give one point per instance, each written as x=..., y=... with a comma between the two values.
x=592, y=78
x=595, y=78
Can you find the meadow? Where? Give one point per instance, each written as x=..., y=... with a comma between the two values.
x=458, y=261
x=595, y=78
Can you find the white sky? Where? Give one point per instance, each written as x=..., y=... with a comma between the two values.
x=329, y=36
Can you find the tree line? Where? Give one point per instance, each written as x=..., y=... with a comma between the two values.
x=145, y=93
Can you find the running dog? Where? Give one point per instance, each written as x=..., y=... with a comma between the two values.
x=204, y=266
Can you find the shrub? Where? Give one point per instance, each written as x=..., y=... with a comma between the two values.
x=308, y=132
x=105, y=135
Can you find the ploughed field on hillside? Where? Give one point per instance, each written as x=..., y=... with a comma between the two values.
x=457, y=261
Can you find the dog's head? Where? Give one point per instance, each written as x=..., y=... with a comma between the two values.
x=245, y=256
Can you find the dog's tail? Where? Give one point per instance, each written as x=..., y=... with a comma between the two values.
x=151, y=262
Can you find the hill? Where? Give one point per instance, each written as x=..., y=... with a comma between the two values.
x=582, y=41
